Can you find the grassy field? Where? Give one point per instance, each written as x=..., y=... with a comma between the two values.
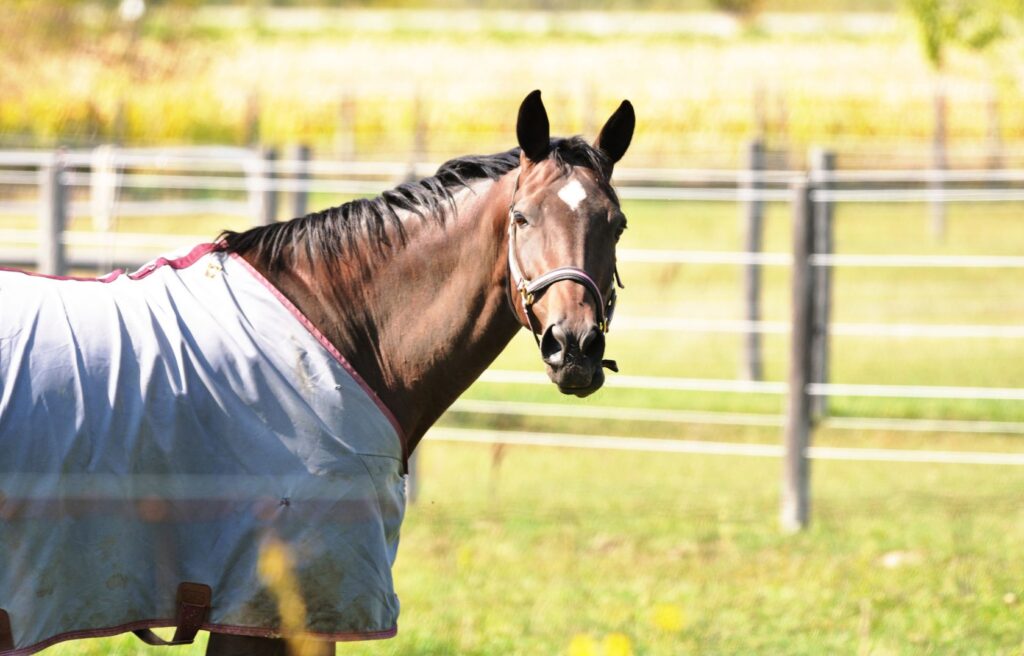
x=586, y=553
x=556, y=551
x=546, y=551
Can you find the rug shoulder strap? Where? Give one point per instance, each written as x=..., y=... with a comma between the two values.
x=193, y=609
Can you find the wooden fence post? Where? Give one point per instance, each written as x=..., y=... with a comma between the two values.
x=103, y=192
x=300, y=196
x=53, y=214
x=752, y=218
x=102, y=187
x=262, y=193
x=796, y=499
x=823, y=163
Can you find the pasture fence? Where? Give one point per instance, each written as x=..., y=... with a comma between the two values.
x=251, y=182
x=797, y=432
x=753, y=238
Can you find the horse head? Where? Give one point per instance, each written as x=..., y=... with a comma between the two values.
x=564, y=223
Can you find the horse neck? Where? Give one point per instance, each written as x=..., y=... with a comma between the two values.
x=422, y=324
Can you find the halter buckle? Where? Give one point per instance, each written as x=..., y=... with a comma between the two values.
x=526, y=295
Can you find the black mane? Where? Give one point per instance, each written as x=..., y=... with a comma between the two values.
x=328, y=234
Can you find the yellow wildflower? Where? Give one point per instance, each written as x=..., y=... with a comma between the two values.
x=617, y=644
x=582, y=645
x=464, y=558
x=668, y=618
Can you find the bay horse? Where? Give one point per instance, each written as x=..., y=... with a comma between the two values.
x=412, y=295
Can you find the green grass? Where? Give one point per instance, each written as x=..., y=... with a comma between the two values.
x=520, y=550
x=562, y=543
x=522, y=557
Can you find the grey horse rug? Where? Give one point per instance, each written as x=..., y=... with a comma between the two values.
x=157, y=431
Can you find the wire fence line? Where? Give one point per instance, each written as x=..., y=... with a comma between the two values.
x=917, y=261
x=663, y=415
x=665, y=445
x=665, y=383
x=760, y=258
x=261, y=183
x=733, y=386
x=249, y=182
x=738, y=326
x=140, y=240
x=255, y=171
x=231, y=183
x=237, y=159
x=957, y=393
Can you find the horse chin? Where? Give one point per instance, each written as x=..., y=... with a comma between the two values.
x=574, y=383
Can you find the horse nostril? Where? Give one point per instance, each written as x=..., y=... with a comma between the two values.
x=553, y=345
x=592, y=344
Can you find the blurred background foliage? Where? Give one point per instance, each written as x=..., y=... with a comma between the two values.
x=360, y=79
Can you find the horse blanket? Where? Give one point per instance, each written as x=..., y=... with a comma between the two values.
x=161, y=427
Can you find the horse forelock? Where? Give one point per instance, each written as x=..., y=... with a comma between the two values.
x=376, y=223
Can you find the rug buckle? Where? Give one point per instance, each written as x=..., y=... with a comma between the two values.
x=212, y=269
x=193, y=607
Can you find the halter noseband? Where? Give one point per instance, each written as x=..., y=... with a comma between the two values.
x=530, y=289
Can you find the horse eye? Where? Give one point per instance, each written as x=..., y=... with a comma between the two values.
x=618, y=233
x=520, y=219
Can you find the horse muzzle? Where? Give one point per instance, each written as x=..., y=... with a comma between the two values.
x=574, y=358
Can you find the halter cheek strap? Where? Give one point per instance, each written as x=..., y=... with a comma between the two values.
x=530, y=289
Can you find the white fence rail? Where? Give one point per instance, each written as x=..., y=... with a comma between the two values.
x=246, y=182
x=653, y=445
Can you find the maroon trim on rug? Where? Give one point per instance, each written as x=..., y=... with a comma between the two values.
x=182, y=262
x=256, y=632
x=326, y=343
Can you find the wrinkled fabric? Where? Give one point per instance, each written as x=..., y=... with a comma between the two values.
x=161, y=427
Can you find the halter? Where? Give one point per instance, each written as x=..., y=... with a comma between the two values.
x=530, y=289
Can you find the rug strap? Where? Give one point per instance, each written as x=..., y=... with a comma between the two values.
x=6, y=635
x=193, y=609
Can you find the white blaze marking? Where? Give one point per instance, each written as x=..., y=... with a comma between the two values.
x=573, y=194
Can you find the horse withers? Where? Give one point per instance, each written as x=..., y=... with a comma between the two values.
x=160, y=431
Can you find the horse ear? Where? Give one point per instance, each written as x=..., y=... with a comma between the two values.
x=617, y=132
x=532, y=128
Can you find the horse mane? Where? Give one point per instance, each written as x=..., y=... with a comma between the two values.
x=331, y=233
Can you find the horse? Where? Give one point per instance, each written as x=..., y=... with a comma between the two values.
x=335, y=338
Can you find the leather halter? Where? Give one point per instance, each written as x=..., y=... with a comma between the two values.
x=530, y=289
